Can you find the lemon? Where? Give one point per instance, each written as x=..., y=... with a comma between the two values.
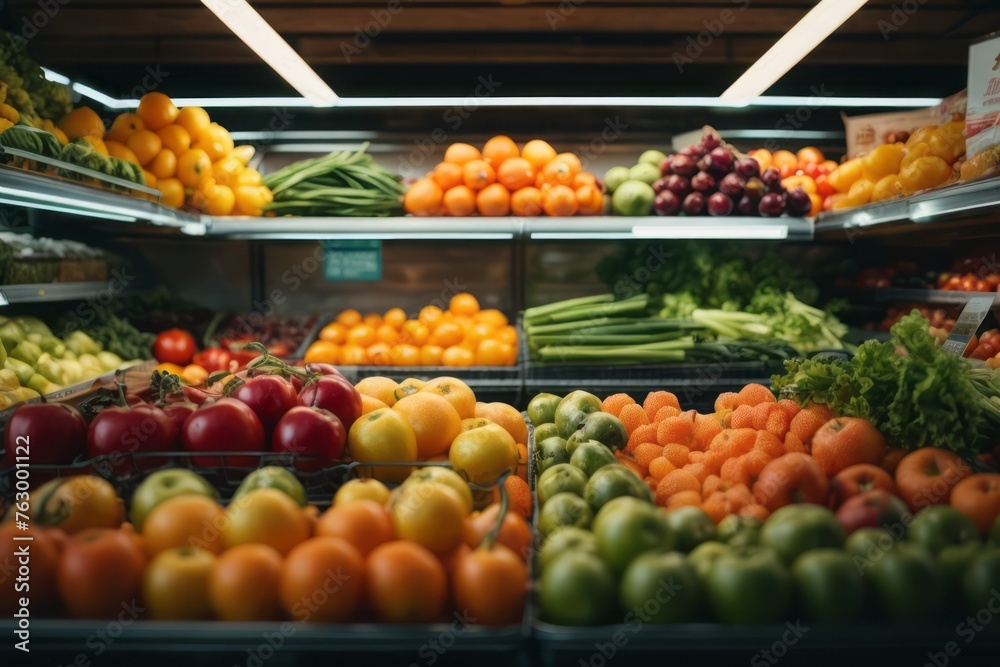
x=482, y=454
x=383, y=436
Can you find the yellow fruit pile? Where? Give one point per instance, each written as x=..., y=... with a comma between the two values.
x=183, y=154
x=927, y=160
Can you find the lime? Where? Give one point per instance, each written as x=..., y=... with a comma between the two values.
x=590, y=456
x=613, y=481
x=577, y=589
x=549, y=452
x=645, y=172
x=615, y=177
x=633, y=198
x=542, y=409
x=560, y=478
x=570, y=538
x=653, y=157
x=564, y=509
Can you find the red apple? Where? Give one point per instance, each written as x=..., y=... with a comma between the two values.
x=316, y=433
x=857, y=479
x=872, y=509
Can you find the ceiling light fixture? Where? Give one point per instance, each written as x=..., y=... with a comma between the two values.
x=264, y=40
x=796, y=44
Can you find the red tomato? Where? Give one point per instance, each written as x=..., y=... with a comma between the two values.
x=984, y=351
x=269, y=396
x=100, y=574
x=213, y=359
x=334, y=394
x=119, y=432
x=227, y=425
x=174, y=346
x=46, y=434
x=316, y=433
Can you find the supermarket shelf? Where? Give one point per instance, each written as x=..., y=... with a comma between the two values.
x=382, y=229
x=932, y=296
x=614, y=227
x=974, y=201
x=38, y=191
x=50, y=292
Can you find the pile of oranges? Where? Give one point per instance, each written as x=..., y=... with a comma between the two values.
x=461, y=336
x=503, y=179
x=183, y=154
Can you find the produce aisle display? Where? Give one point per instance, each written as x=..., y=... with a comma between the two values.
x=420, y=374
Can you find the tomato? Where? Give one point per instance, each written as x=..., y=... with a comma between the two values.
x=665, y=586
x=794, y=529
x=982, y=580
x=77, y=503
x=491, y=584
x=44, y=548
x=334, y=394
x=46, y=434
x=577, y=588
x=100, y=574
x=749, y=585
x=323, y=369
x=227, y=425
x=984, y=351
x=213, y=359
x=907, y=583
x=829, y=587
x=175, y=586
x=739, y=531
x=245, y=584
x=117, y=432
x=279, y=349
x=316, y=433
x=871, y=509
x=174, y=346
x=626, y=527
x=269, y=396
x=940, y=526
x=179, y=412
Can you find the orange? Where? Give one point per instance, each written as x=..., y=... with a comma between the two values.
x=447, y=334
x=323, y=352
x=383, y=436
x=505, y=416
x=184, y=521
x=434, y=421
x=216, y=141
x=379, y=354
x=978, y=497
x=423, y=198
x=150, y=179
x=583, y=179
x=556, y=172
x=646, y=452
x=558, y=200
x=172, y=192
x=364, y=524
x=447, y=175
x=613, y=404
x=98, y=144
x=405, y=355
x=349, y=318
x=519, y=494
x=193, y=119
x=525, y=202
x=493, y=201
x=193, y=166
x=492, y=353
x=265, y=516
x=516, y=173
x=395, y=317
x=572, y=160
x=362, y=335
x=589, y=200
x=219, y=200
x=458, y=356
x=784, y=158
x=145, y=145
x=335, y=332
x=754, y=394
x=374, y=320
x=353, y=355
x=430, y=514
x=676, y=482
x=429, y=316
x=156, y=110
x=123, y=127
x=121, y=151
x=539, y=153
x=633, y=416
x=386, y=334
x=659, y=399
x=414, y=333
x=245, y=582
x=369, y=404
x=726, y=401
x=847, y=441
x=491, y=316
x=463, y=303
x=322, y=581
x=430, y=355
x=456, y=392
x=507, y=334
x=499, y=149
x=459, y=201
x=164, y=165
x=406, y=583
x=175, y=137
x=461, y=154
x=477, y=174
x=83, y=122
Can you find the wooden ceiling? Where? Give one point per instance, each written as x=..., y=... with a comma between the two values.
x=110, y=41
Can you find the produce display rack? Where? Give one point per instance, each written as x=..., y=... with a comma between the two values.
x=50, y=292
x=933, y=296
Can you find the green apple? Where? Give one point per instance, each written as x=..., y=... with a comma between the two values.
x=273, y=477
x=163, y=485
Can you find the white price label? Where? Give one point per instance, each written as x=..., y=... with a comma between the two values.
x=968, y=323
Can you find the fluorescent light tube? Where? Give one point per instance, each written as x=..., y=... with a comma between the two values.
x=769, y=232
x=804, y=36
x=263, y=40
